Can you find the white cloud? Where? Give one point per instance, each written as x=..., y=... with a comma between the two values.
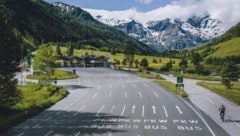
x=228, y=11
x=145, y=1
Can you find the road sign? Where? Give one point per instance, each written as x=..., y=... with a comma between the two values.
x=179, y=85
x=179, y=80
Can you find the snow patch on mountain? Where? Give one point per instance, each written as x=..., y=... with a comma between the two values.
x=162, y=32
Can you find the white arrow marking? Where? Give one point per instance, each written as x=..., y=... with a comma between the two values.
x=179, y=110
x=154, y=109
x=166, y=114
x=113, y=107
x=124, y=107
x=133, y=109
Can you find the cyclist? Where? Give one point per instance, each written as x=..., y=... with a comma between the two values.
x=222, y=110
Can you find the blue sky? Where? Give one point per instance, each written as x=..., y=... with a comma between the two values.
x=139, y=5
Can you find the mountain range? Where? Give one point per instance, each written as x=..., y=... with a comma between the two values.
x=162, y=34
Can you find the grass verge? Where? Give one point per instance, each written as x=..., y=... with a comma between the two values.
x=232, y=94
x=59, y=74
x=199, y=77
x=166, y=84
x=171, y=87
x=35, y=99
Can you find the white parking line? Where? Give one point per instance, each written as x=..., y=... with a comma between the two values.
x=48, y=119
x=124, y=107
x=110, y=94
x=100, y=110
x=35, y=126
x=143, y=110
x=155, y=94
x=78, y=134
x=94, y=96
x=79, y=110
x=140, y=95
x=166, y=114
x=21, y=134
x=50, y=132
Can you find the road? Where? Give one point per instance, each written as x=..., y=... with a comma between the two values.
x=209, y=103
x=105, y=102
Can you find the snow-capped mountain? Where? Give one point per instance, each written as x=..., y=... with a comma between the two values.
x=162, y=34
x=157, y=30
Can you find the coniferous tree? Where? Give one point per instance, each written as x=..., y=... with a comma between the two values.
x=58, y=51
x=9, y=95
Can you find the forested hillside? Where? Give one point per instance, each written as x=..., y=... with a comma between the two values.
x=36, y=21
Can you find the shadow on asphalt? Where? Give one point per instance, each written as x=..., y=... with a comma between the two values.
x=74, y=87
x=68, y=123
x=229, y=120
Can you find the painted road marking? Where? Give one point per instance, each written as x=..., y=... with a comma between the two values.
x=124, y=107
x=35, y=126
x=134, y=85
x=113, y=107
x=237, y=124
x=133, y=109
x=50, y=132
x=155, y=94
x=165, y=111
x=48, y=119
x=154, y=109
x=21, y=134
x=209, y=100
x=78, y=134
x=58, y=113
x=123, y=86
x=209, y=128
x=140, y=95
x=111, y=86
x=94, y=96
x=179, y=110
x=79, y=110
x=100, y=110
x=143, y=110
x=110, y=94
x=125, y=94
